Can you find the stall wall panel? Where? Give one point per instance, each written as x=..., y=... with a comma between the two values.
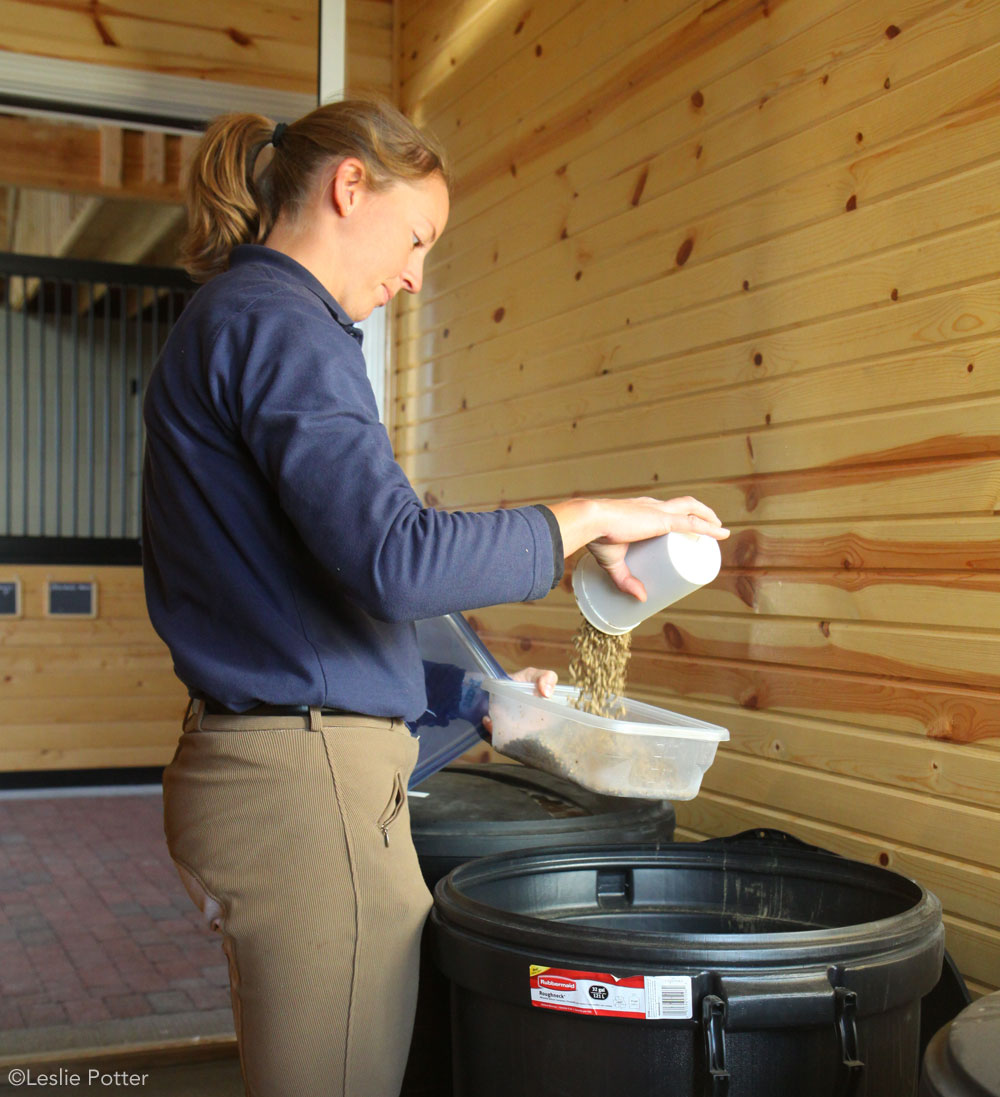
x=369, y=46
x=79, y=693
x=750, y=251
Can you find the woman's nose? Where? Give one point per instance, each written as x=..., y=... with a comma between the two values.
x=413, y=274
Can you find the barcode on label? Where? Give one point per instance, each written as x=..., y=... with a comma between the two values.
x=668, y=997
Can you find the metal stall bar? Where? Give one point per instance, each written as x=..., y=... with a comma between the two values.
x=136, y=403
x=25, y=405
x=57, y=425
x=8, y=412
x=74, y=443
x=91, y=414
x=42, y=394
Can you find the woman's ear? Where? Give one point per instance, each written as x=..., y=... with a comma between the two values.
x=348, y=182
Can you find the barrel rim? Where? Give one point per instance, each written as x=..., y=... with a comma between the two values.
x=820, y=946
x=632, y=811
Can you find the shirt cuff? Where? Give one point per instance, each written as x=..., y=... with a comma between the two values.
x=558, y=561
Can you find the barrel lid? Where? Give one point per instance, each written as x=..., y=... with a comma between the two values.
x=494, y=793
x=968, y=1063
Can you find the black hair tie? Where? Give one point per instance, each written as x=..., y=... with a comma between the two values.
x=279, y=132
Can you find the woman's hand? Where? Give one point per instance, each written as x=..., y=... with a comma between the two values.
x=608, y=526
x=544, y=680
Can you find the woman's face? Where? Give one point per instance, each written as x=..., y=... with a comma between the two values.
x=387, y=234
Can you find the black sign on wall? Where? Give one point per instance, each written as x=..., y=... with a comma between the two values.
x=10, y=597
x=71, y=599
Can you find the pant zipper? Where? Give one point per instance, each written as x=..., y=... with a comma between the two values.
x=393, y=808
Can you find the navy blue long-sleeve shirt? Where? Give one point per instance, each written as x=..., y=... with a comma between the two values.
x=285, y=553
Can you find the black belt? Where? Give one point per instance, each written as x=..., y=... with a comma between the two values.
x=216, y=708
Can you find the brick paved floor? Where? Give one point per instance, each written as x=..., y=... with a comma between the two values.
x=94, y=922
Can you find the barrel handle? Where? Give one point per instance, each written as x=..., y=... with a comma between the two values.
x=713, y=1023
x=852, y=1068
x=763, y=836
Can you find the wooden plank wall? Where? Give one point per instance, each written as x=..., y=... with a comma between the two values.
x=369, y=46
x=237, y=41
x=269, y=45
x=752, y=250
x=80, y=693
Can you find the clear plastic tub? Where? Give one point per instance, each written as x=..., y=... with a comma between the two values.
x=650, y=752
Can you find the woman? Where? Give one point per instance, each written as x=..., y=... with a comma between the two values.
x=286, y=557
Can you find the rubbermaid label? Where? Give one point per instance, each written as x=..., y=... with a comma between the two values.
x=643, y=997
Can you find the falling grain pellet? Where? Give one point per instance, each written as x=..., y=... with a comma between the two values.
x=598, y=668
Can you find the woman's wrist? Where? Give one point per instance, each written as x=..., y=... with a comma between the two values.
x=579, y=522
x=622, y=521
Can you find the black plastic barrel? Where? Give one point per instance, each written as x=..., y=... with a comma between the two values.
x=963, y=1059
x=774, y=970
x=470, y=811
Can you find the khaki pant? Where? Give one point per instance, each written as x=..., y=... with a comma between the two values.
x=293, y=837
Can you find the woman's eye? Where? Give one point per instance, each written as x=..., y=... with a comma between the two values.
x=417, y=242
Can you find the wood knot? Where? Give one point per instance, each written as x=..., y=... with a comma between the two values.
x=430, y=499
x=673, y=637
x=106, y=36
x=891, y=30
x=941, y=727
x=640, y=185
x=852, y=203
x=749, y=699
x=745, y=549
x=499, y=314
x=523, y=643
x=239, y=37
x=752, y=497
x=824, y=627
x=684, y=251
x=697, y=100
x=747, y=591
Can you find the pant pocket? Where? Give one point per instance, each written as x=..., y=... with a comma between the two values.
x=394, y=808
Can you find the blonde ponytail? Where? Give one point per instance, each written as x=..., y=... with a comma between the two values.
x=225, y=207
x=229, y=202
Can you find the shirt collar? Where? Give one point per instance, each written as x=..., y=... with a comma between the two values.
x=279, y=261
